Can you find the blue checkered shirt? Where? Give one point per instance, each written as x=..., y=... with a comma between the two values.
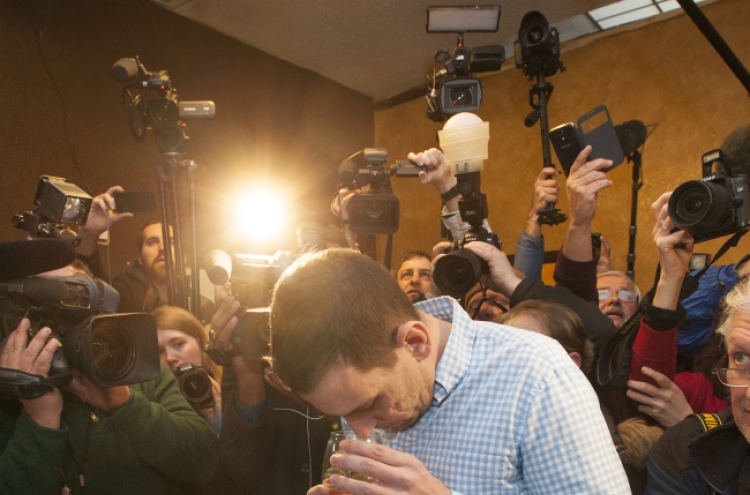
x=511, y=413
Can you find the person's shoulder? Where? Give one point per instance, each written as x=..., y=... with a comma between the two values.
x=536, y=349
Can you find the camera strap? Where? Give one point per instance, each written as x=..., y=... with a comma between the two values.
x=22, y=385
x=730, y=243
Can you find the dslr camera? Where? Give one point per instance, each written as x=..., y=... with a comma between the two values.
x=459, y=270
x=252, y=277
x=714, y=206
x=195, y=385
x=109, y=349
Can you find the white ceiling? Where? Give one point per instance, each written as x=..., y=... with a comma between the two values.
x=377, y=47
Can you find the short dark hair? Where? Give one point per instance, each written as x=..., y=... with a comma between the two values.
x=331, y=306
x=563, y=324
x=736, y=148
x=409, y=255
x=141, y=237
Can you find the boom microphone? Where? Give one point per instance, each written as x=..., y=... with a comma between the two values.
x=632, y=135
x=19, y=259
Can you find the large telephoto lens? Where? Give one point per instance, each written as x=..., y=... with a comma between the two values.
x=457, y=272
x=113, y=350
x=700, y=205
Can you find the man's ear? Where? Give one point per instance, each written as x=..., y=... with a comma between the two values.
x=576, y=357
x=414, y=336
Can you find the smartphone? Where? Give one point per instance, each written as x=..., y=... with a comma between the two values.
x=564, y=139
x=596, y=129
x=134, y=201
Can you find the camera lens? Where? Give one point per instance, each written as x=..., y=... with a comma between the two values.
x=700, y=205
x=535, y=35
x=113, y=350
x=373, y=210
x=195, y=386
x=461, y=96
x=72, y=210
x=163, y=113
x=457, y=272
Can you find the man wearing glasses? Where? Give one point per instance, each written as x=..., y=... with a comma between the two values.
x=618, y=296
x=692, y=459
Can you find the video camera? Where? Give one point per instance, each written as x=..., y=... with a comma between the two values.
x=537, y=47
x=714, y=206
x=58, y=202
x=109, y=349
x=459, y=91
x=252, y=276
x=376, y=210
x=151, y=102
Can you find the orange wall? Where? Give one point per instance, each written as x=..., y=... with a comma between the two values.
x=663, y=72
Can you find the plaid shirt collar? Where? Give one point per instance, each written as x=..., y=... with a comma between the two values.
x=457, y=354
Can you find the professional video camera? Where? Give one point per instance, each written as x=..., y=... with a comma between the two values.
x=194, y=384
x=537, y=47
x=59, y=202
x=110, y=349
x=376, y=210
x=714, y=206
x=454, y=90
x=151, y=102
x=459, y=91
x=464, y=141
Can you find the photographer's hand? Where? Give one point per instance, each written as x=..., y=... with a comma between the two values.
x=108, y=399
x=101, y=217
x=665, y=403
x=503, y=278
x=223, y=324
x=36, y=358
x=585, y=181
x=675, y=250
x=545, y=190
x=213, y=413
x=438, y=173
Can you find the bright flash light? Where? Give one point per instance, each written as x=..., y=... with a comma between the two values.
x=260, y=215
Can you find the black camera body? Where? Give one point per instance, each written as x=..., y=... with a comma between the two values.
x=459, y=270
x=537, y=47
x=195, y=385
x=110, y=349
x=376, y=210
x=461, y=92
x=712, y=207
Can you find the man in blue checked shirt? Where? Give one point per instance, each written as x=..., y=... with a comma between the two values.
x=480, y=408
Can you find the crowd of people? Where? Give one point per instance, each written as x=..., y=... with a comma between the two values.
x=589, y=385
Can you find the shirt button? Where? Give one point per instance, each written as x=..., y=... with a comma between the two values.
x=305, y=468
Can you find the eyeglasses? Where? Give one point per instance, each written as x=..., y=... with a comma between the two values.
x=732, y=377
x=625, y=295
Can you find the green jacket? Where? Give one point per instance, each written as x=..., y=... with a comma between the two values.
x=154, y=444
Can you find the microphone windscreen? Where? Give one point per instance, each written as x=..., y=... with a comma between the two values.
x=125, y=69
x=632, y=135
x=19, y=259
x=45, y=289
x=348, y=170
x=218, y=265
